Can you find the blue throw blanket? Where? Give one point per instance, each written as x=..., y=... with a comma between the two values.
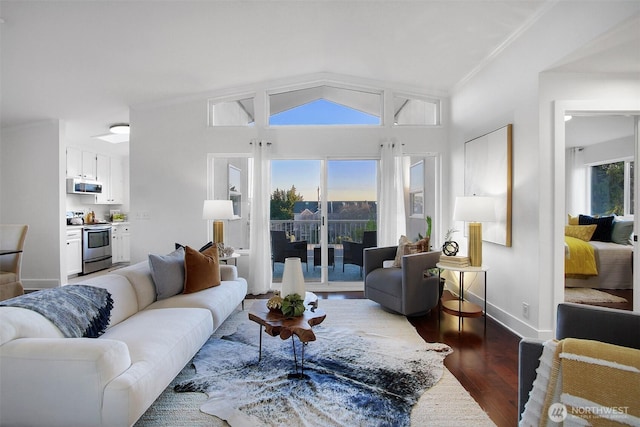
x=77, y=310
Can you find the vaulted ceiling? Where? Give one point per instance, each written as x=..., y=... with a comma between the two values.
x=86, y=62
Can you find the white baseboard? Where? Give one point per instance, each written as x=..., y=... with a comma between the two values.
x=509, y=321
x=335, y=287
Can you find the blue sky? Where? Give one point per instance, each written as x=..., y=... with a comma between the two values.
x=347, y=180
x=323, y=112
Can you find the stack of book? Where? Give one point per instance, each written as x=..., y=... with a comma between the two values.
x=455, y=261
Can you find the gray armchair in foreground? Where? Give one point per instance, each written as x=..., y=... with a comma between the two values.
x=409, y=290
x=619, y=327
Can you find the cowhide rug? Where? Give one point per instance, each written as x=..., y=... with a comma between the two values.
x=353, y=379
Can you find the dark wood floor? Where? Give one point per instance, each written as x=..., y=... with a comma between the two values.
x=485, y=363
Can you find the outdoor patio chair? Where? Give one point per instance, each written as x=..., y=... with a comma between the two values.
x=353, y=250
x=282, y=248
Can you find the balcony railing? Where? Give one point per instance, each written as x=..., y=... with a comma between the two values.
x=309, y=230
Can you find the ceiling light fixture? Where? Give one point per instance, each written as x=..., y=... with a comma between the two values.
x=120, y=128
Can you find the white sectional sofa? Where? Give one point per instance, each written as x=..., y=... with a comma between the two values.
x=49, y=380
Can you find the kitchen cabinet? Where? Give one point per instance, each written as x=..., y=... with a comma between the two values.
x=81, y=164
x=121, y=239
x=117, y=181
x=88, y=165
x=103, y=175
x=74, y=163
x=109, y=172
x=74, y=251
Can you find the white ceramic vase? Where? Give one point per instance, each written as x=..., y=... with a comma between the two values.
x=292, y=278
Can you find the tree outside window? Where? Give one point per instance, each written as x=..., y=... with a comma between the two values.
x=612, y=188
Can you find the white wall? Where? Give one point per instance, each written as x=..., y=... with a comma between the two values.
x=507, y=91
x=168, y=155
x=610, y=151
x=32, y=189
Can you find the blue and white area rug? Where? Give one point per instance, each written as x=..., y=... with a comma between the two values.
x=355, y=378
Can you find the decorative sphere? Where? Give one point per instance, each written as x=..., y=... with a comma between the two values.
x=450, y=248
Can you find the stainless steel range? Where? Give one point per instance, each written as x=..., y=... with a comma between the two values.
x=96, y=248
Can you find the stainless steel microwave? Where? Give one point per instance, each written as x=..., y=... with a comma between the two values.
x=83, y=186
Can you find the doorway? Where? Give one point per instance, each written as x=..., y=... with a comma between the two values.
x=599, y=187
x=589, y=108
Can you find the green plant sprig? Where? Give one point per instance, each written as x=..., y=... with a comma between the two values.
x=292, y=305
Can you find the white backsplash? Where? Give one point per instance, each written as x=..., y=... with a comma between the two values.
x=84, y=203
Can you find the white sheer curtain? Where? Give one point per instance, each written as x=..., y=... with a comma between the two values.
x=391, y=213
x=259, y=280
x=576, y=182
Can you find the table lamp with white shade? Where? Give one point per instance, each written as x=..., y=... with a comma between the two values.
x=218, y=210
x=475, y=210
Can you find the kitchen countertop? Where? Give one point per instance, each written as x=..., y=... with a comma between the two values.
x=98, y=223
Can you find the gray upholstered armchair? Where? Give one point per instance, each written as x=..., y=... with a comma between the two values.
x=408, y=290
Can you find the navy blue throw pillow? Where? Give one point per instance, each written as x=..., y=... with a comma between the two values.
x=202, y=249
x=604, y=226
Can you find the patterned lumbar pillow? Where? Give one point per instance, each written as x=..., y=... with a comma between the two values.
x=405, y=247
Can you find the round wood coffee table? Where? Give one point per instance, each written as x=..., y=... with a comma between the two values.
x=276, y=324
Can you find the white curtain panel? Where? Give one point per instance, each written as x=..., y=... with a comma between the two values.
x=259, y=237
x=391, y=214
x=576, y=185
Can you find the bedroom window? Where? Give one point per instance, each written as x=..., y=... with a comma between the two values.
x=612, y=188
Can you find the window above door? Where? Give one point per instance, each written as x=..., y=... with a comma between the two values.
x=325, y=105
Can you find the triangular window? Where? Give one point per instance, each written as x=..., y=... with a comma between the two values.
x=325, y=105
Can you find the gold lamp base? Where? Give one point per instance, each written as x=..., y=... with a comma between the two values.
x=475, y=244
x=218, y=232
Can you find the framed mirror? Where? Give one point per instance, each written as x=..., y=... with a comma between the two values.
x=235, y=195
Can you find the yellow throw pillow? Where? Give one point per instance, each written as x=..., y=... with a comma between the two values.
x=573, y=220
x=201, y=269
x=582, y=232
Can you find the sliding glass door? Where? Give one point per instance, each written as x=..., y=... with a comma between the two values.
x=296, y=215
x=323, y=211
x=351, y=216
